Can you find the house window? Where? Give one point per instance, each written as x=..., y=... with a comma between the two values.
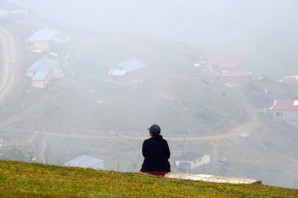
x=279, y=114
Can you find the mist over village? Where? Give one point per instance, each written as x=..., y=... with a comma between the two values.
x=81, y=82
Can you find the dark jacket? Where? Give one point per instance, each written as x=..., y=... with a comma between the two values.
x=156, y=153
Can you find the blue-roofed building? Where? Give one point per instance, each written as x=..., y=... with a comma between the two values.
x=86, y=161
x=131, y=65
x=130, y=70
x=42, y=71
x=45, y=39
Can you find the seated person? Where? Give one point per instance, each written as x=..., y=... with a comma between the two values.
x=156, y=153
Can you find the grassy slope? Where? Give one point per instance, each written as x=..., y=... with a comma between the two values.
x=19, y=179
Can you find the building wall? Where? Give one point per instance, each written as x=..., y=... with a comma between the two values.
x=293, y=123
x=99, y=166
x=201, y=161
x=285, y=115
x=55, y=73
x=39, y=83
x=30, y=74
x=38, y=45
x=290, y=117
x=197, y=162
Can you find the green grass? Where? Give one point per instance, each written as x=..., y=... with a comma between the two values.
x=20, y=179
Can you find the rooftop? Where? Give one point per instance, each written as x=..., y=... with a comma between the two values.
x=83, y=161
x=43, y=35
x=131, y=65
x=43, y=64
x=285, y=105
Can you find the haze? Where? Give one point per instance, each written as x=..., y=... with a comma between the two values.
x=180, y=47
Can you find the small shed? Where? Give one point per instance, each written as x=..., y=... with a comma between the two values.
x=190, y=161
x=128, y=70
x=86, y=161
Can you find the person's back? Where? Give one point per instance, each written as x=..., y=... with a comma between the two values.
x=156, y=153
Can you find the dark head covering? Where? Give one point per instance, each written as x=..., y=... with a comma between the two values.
x=154, y=129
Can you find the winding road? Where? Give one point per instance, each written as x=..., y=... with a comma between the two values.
x=7, y=61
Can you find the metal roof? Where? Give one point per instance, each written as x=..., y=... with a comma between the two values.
x=118, y=72
x=40, y=75
x=285, y=105
x=43, y=64
x=43, y=35
x=131, y=65
x=226, y=60
x=83, y=161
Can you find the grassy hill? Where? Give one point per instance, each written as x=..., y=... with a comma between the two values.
x=20, y=179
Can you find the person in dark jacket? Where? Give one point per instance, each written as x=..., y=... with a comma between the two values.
x=156, y=153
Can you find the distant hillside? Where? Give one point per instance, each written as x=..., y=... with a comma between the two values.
x=19, y=179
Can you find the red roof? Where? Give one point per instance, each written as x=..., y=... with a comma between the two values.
x=168, y=97
x=226, y=61
x=243, y=72
x=285, y=105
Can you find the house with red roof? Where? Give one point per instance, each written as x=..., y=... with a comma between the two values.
x=286, y=110
x=226, y=61
x=235, y=76
x=230, y=68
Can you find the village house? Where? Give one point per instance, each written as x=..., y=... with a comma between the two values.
x=226, y=61
x=86, y=161
x=45, y=39
x=43, y=71
x=230, y=68
x=189, y=161
x=235, y=76
x=130, y=70
x=285, y=110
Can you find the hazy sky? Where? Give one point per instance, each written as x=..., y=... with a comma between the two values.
x=260, y=30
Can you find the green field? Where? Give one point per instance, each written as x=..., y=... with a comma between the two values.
x=19, y=179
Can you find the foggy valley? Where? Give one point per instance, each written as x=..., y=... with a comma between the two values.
x=84, y=79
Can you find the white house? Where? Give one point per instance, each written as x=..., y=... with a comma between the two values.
x=286, y=110
x=190, y=161
x=86, y=161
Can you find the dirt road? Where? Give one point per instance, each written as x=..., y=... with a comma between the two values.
x=7, y=63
